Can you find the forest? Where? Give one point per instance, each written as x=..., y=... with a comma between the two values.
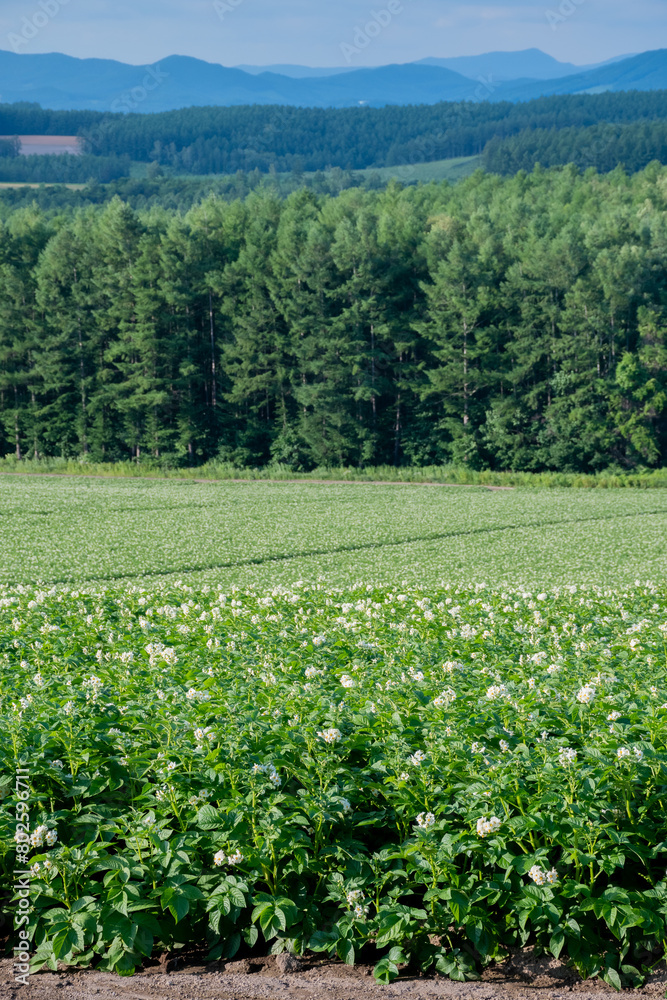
x=603, y=147
x=63, y=169
x=505, y=323
x=218, y=140
x=181, y=193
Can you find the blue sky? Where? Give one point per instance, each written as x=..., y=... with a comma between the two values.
x=314, y=32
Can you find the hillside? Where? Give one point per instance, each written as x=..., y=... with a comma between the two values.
x=647, y=71
x=215, y=141
x=529, y=63
x=61, y=82
x=503, y=66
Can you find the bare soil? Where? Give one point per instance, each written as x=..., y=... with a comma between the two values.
x=48, y=145
x=524, y=977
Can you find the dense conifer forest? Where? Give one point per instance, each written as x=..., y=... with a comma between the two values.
x=513, y=323
x=603, y=147
x=63, y=169
x=180, y=193
x=219, y=140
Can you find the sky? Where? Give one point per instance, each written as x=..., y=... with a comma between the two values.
x=322, y=32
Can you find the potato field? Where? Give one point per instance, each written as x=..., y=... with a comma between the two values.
x=422, y=725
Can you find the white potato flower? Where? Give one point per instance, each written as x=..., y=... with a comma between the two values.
x=586, y=694
x=486, y=826
x=541, y=877
x=331, y=735
x=425, y=821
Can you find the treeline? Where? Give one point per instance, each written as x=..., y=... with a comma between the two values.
x=10, y=148
x=63, y=169
x=223, y=140
x=181, y=193
x=603, y=147
x=504, y=324
x=219, y=140
x=29, y=118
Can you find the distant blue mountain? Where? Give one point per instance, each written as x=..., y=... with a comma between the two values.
x=644, y=72
x=62, y=82
x=298, y=72
x=532, y=64
x=501, y=66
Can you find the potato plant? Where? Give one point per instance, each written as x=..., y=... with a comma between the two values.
x=435, y=777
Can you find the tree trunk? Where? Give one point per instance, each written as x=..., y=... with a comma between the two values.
x=82, y=374
x=214, y=391
x=466, y=417
x=397, y=433
x=16, y=425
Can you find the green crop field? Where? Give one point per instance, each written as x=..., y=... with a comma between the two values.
x=262, y=534
x=454, y=169
x=419, y=725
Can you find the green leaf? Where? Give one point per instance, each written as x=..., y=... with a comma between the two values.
x=392, y=927
x=323, y=940
x=231, y=945
x=208, y=818
x=345, y=951
x=396, y=955
x=612, y=977
x=260, y=909
x=118, y=926
x=385, y=971
x=81, y=903
x=557, y=942
x=176, y=901
x=67, y=941
x=250, y=936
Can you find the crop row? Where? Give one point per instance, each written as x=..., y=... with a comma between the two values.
x=263, y=534
x=437, y=777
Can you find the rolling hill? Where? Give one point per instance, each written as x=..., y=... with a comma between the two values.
x=61, y=82
x=647, y=71
x=502, y=66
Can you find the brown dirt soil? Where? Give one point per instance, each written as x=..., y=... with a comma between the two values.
x=524, y=977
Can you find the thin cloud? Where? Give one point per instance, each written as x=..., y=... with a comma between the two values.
x=311, y=33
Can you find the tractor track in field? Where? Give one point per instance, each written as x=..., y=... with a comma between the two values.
x=339, y=549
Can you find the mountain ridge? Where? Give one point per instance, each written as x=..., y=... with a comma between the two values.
x=61, y=82
x=525, y=63
x=647, y=71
